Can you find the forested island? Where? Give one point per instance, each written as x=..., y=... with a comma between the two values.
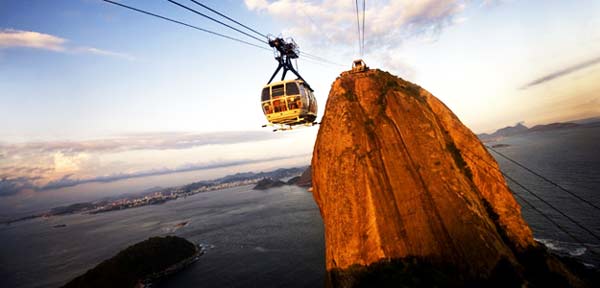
x=141, y=264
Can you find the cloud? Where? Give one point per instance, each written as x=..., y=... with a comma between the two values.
x=101, y=52
x=68, y=181
x=17, y=38
x=147, y=141
x=16, y=179
x=562, y=72
x=257, y=4
x=319, y=25
x=12, y=186
x=388, y=23
x=11, y=38
x=38, y=166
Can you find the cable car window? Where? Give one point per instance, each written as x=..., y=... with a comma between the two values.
x=277, y=91
x=267, y=108
x=302, y=91
x=304, y=97
x=294, y=102
x=313, y=103
x=291, y=89
x=265, y=94
x=279, y=105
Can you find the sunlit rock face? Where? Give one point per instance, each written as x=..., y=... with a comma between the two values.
x=399, y=179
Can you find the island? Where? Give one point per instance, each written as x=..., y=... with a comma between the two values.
x=303, y=180
x=267, y=183
x=141, y=264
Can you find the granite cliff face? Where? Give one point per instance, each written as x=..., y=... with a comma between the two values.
x=404, y=189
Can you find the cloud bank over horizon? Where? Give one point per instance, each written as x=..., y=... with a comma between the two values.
x=12, y=186
x=138, y=141
x=40, y=166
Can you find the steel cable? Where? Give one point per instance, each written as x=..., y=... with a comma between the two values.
x=186, y=24
x=217, y=21
x=229, y=18
x=542, y=177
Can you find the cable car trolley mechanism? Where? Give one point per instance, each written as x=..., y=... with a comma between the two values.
x=287, y=103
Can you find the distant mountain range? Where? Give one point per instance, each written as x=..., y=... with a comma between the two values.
x=520, y=129
x=304, y=180
x=243, y=177
x=300, y=176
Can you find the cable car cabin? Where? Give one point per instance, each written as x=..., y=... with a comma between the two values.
x=289, y=102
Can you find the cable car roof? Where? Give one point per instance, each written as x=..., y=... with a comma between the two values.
x=284, y=82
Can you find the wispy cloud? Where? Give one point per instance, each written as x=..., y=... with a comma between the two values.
x=11, y=38
x=562, y=72
x=101, y=52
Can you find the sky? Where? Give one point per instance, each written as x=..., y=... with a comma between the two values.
x=96, y=99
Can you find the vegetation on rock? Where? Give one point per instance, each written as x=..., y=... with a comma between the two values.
x=267, y=183
x=137, y=262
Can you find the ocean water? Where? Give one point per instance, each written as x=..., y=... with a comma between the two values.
x=253, y=239
x=275, y=237
x=570, y=158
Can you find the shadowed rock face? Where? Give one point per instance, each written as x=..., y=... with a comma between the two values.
x=398, y=177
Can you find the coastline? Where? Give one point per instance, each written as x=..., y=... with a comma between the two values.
x=148, y=281
x=159, y=197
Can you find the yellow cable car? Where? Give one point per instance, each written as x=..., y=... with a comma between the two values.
x=289, y=102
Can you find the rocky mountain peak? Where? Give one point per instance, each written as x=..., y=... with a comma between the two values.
x=399, y=179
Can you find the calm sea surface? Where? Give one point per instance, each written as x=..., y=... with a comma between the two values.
x=571, y=158
x=253, y=239
x=275, y=237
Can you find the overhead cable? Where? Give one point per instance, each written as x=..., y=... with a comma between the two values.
x=539, y=198
x=542, y=177
x=308, y=55
x=564, y=230
x=229, y=18
x=553, y=222
x=320, y=59
x=358, y=29
x=186, y=24
x=217, y=21
x=552, y=206
x=363, y=26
